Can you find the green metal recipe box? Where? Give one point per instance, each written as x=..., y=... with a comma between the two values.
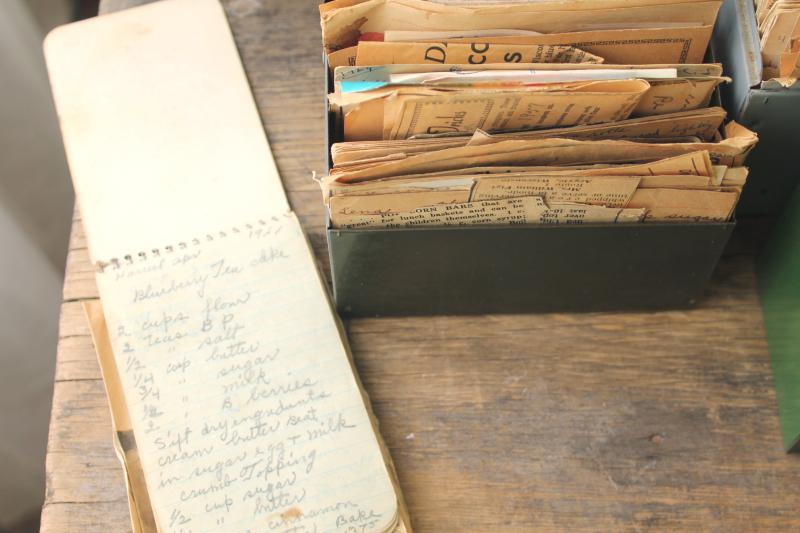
x=517, y=269
x=768, y=108
x=779, y=285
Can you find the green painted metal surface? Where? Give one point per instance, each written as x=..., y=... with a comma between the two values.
x=779, y=282
x=467, y=270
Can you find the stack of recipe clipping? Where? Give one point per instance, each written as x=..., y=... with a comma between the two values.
x=779, y=28
x=545, y=112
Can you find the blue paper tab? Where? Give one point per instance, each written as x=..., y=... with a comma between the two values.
x=361, y=86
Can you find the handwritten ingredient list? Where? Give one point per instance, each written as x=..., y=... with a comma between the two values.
x=245, y=408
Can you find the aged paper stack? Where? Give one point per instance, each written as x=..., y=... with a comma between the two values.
x=546, y=112
x=234, y=400
x=779, y=27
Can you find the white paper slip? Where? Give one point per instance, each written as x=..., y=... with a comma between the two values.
x=532, y=76
x=421, y=36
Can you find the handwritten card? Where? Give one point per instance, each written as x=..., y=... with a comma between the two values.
x=244, y=405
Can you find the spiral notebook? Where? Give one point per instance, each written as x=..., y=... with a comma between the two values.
x=243, y=404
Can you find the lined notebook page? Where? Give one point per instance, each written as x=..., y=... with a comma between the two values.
x=243, y=401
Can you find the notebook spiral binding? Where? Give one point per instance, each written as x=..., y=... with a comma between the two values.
x=115, y=263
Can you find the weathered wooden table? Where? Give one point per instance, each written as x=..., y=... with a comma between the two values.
x=626, y=421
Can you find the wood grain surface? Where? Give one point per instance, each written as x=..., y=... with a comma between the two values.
x=555, y=422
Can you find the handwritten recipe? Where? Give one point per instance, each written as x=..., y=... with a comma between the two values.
x=245, y=408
